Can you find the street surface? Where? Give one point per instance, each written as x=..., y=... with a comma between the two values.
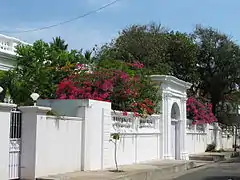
x=228, y=170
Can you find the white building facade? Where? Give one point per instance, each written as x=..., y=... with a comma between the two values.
x=7, y=51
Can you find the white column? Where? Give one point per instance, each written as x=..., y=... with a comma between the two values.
x=167, y=151
x=217, y=133
x=183, y=154
x=5, y=110
x=29, y=132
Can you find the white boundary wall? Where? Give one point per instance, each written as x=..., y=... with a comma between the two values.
x=140, y=139
x=58, y=145
x=50, y=144
x=79, y=138
x=199, y=136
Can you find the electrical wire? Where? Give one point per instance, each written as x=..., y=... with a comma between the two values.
x=63, y=22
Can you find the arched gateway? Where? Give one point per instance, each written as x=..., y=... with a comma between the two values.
x=175, y=131
x=173, y=109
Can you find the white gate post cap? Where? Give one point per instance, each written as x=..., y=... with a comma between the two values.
x=7, y=106
x=36, y=109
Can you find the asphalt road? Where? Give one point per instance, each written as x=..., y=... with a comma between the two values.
x=229, y=170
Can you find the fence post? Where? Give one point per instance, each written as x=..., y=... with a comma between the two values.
x=5, y=113
x=30, y=116
x=91, y=112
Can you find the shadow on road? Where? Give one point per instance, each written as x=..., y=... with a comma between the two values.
x=223, y=178
x=234, y=160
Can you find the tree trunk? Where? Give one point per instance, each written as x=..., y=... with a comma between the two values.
x=214, y=106
x=235, y=140
x=115, y=154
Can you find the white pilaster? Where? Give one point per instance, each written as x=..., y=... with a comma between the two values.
x=183, y=154
x=167, y=152
x=218, y=136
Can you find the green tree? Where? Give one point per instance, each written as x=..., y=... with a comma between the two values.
x=218, y=64
x=39, y=69
x=147, y=44
x=59, y=44
x=207, y=58
x=160, y=50
x=182, y=56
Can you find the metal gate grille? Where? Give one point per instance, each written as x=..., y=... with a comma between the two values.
x=15, y=144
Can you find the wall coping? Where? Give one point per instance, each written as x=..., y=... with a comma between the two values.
x=171, y=79
x=64, y=118
x=39, y=109
x=7, y=106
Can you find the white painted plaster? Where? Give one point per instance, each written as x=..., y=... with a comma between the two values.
x=4, y=139
x=173, y=91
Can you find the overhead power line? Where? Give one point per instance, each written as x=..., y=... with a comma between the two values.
x=63, y=22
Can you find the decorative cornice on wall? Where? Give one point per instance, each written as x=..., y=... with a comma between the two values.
x=170, y=80
x=7, y=56
x=7, y=61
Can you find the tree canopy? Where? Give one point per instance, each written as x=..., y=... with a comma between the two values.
x=206, y=57
x=39, y=69
x=218, y=64
x=162, y=51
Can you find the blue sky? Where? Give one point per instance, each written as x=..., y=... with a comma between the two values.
x=101, y=27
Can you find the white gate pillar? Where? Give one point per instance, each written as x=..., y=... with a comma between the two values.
x=30, y=115
x=5, y=114
x=173, y=90
x=93, y=113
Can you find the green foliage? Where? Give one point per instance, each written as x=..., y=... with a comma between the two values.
x=218, y=60
x=59, y=44
x=210, y=147
x=115, y=136
x=135, y=92
x=4, y=83
x=115, y=64
x=161, y=51
x=38, y=69
x=207, y=58
x=147, y=44
x=182, y=57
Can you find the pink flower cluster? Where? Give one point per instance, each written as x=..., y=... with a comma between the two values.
x=199, y=112
x=116, y=86
x=137, y=64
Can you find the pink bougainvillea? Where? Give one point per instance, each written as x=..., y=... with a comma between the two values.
x=200, y=113
x=125, y=92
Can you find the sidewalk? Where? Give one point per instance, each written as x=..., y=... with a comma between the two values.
x=214, y=156
x=154, y=170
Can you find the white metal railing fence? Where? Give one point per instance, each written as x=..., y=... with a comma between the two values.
x=15, y=144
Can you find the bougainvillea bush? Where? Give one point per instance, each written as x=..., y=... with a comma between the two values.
x=199, y=112
x=135, y=92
